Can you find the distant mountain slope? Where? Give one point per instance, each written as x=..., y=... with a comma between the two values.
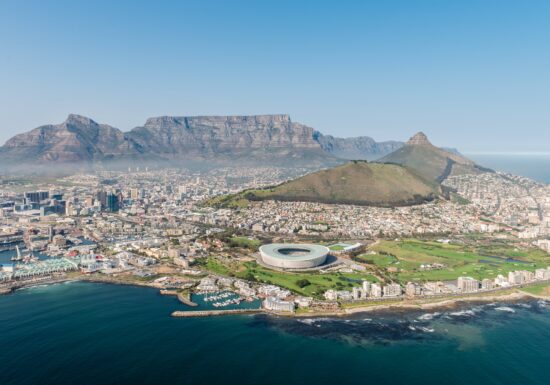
x=362, y=147
x=272, y=139
x=77, y=139
x=356, y=182
x=432, y=163
x=260, y=139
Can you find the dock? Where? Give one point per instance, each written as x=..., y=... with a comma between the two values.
x=186, y=300
x=210, y=313
x=168, y=292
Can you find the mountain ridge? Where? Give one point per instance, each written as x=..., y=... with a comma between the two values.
x=258, y=137
x=352, y=183
x=431, y=162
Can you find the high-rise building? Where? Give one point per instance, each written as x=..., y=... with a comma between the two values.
x=413, y=289
x=376, y=290
x=392, y=290
x=113, y=203
x=467, y=284
x=366, y=287
x=36, y=196
x=487, y=284
x=356, y=293
x=102, y=199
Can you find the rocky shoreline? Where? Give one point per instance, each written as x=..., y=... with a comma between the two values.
x=407, y=305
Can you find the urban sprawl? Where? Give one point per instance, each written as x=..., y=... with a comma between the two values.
x=152, y=227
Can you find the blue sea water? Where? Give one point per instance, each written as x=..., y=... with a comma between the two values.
x=535, y=166
x=91, y=334
x=84, y=333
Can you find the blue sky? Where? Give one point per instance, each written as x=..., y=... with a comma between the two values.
x=471, y=74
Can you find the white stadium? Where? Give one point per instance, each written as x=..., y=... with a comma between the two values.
x=293, y=255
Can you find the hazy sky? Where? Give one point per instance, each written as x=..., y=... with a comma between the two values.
x=471, y=74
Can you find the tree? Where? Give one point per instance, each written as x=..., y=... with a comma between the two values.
x=301, y=283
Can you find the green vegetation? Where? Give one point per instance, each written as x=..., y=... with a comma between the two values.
x=230, y=201
x=430, y=162
x=308, y=283
x=459, y=199
x=538, y=289
x=401, y=260
x=301, y=283
x=356, y=182
x=247, y=243
x=398, y=261
x=213, y=265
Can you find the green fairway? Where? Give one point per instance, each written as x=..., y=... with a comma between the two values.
x=483, y=260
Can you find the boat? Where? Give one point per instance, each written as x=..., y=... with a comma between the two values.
x=17, y=256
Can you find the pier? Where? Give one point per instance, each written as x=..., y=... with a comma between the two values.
x=186, y=299
x=210, y=313
x=168, y=292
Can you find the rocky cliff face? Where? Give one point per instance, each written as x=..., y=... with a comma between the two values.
x=362, y=147
x=431, y=162
x=76, y=139
x=419, y=139
x=260, y=138
x=206, y=135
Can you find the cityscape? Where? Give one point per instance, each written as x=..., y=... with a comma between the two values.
x=274, y=192
x=152, y=227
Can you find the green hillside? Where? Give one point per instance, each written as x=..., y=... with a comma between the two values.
x=356, y=182
x=431, y=162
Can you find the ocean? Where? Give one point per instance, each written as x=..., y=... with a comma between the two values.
x=85, y=333
x=91, y=334
x=530, y=165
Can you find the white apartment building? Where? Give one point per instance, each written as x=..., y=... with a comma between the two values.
x=392, y=290
x=276, y=304
x=467, y=284
x=376, y=290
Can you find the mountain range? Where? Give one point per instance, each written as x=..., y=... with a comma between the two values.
x=267, y=139
x=410, y=175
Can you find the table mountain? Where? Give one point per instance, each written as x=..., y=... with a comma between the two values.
x=267, y=139
x=362, y=147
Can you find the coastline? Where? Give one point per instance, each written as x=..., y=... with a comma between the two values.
x=417, y=305
x=515, y=295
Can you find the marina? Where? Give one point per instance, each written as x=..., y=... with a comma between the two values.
x=223, y=299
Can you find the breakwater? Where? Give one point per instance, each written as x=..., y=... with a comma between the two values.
x=186, y=300
x=209, y=313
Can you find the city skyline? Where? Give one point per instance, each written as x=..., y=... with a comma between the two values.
x=471, y=75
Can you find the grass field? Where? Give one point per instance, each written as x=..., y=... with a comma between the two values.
x=318, y=283
x=397, y=261
x=244, y=242
x=478, y=261
x=538, y=289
